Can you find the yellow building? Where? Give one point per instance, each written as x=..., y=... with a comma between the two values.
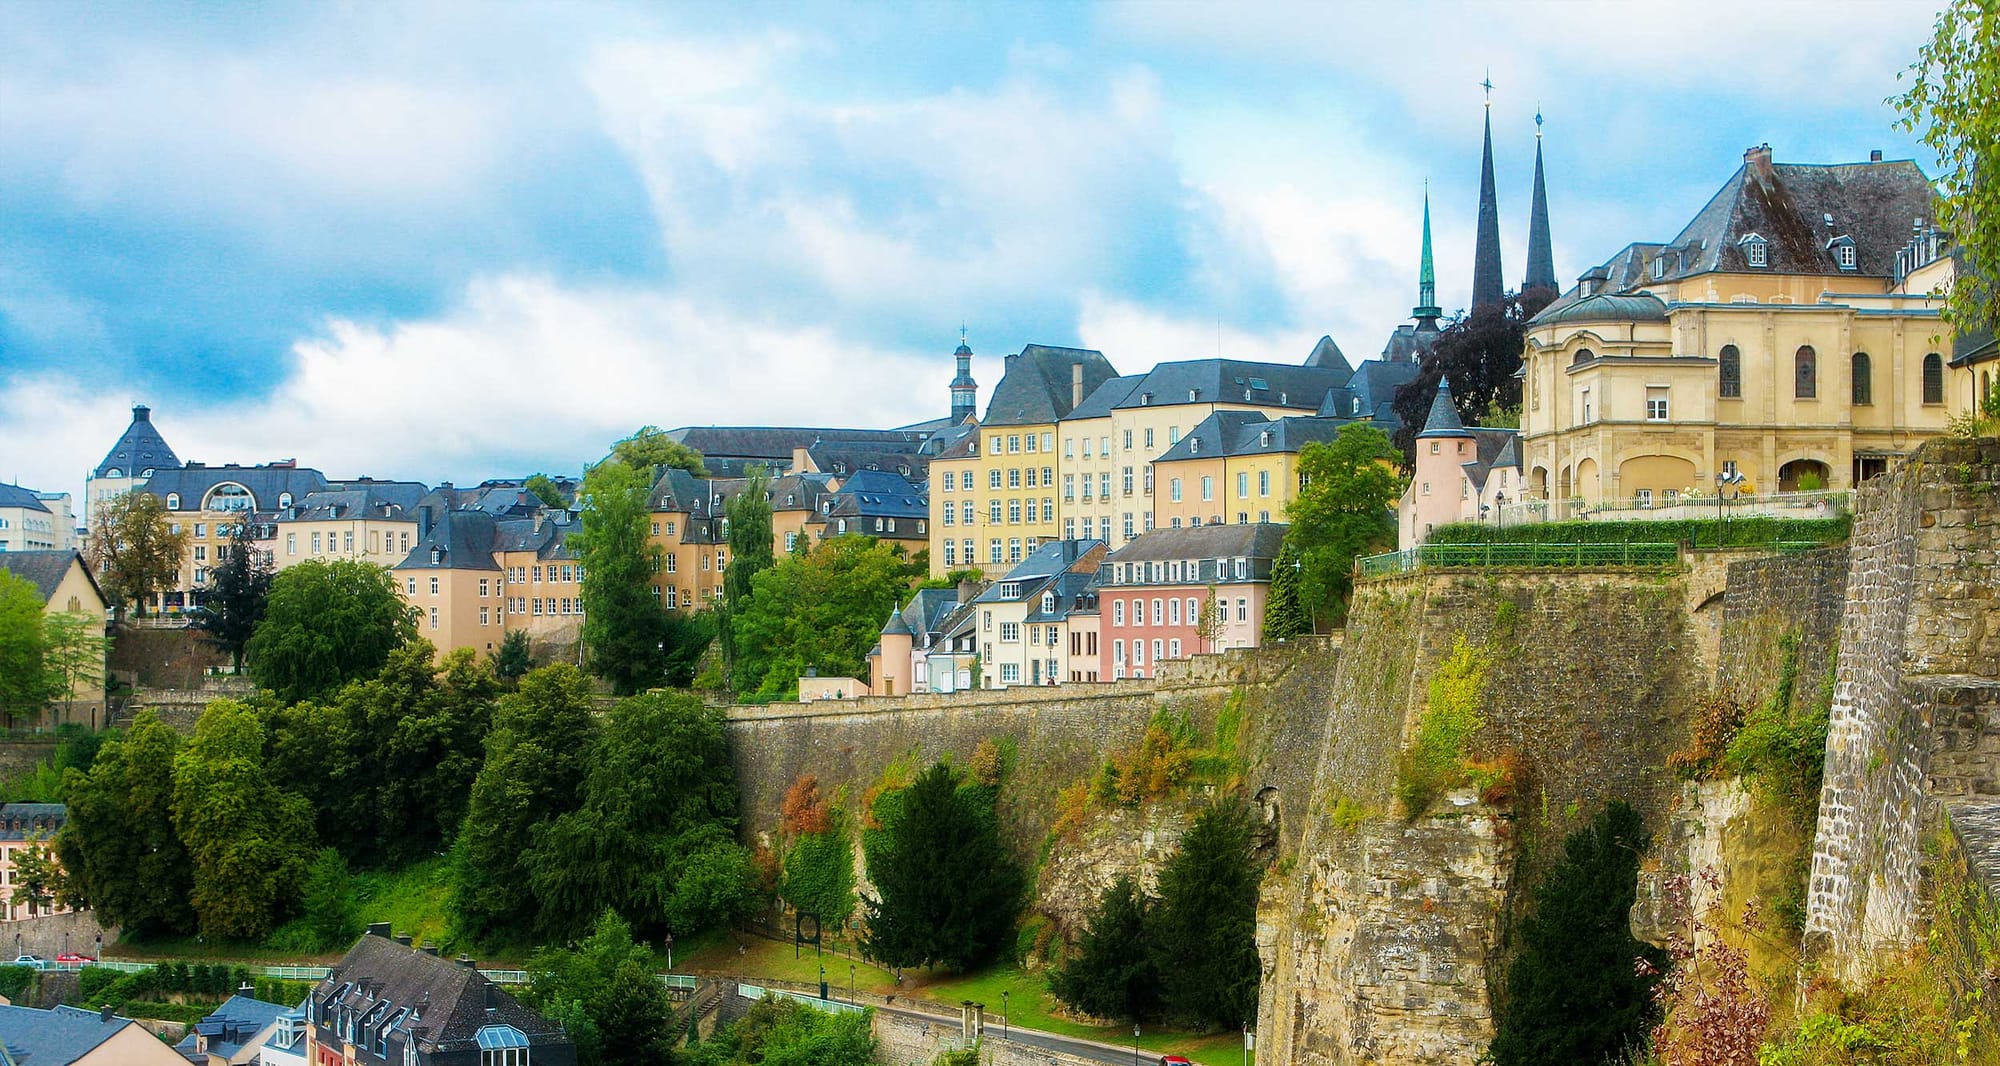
x=1236, y=468
x=476, y=574
x=66, y=586
x=993, y=493
x=208, y=503
x=1786, y=336
x=371, y=521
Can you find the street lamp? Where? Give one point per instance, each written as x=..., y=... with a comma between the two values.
x=822, y=980
x=1003, y=1014
x=850, y=982
x=1135, y=1044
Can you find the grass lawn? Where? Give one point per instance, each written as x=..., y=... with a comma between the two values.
x=1028, y=1001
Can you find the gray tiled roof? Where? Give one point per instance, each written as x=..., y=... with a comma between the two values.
x=1254, y=540
x=1099, y=401
x=1328, y=355
x=1443, y=420
x=139, y=448
x=1052, y=558
x=457, y=540
x=776, y=443
x=1492, y=449
x=19, y=821
x=1235, y=381
x=44, y=569
x=1409, y=342
x=369, y=501
x=1037, y=387
x=16, y=496
x=843, y=457
x=266, y=484
x=1787, y=204
x=232, y=1025
x=453, y=998
x=55, y=1037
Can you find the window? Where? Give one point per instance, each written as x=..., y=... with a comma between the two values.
x=1242, y=608
x=291, y=544
x=1014, y=512
x=1586, y=405
x=1173, y=435
x=484, y=584
x=993, y=478
x=1069, y=528
x=1031, y=442
x=671, y=564
x=1014, y=477
x=201, y=553
x=1048, y=477
x=315, y=543
x=1010, y=632
x=1118, y=619
x=434, y=586
x=1659, y=267
x=1069, y=447
x=1010, y=673
x=1732, y=372
x=1243, y=485
x=1104, y=484
x=1014, y=443
x=434, y=618
x=950, y=512
x=994, y=553
x=1148, y=478
x=1118, y=652
x=1174, y=489
x=1863, y=386
x=1128, y=525
x=950, y=553
x=1656, y=403
x=1173, y=612
x=1643, y=497
x=1174, y=648
x=1156, y=649
x=1263, y=482
x=1013, y=549
x=1033, y=511
x=1069, y=486
x=1805, y=373
x=1756, y=250
x=1128, y=481
x=1149, y=438
x=347, y=542
x=1933, y=378
x=949, y=478
x=1049, y=441
x=1138, y=653
x=412, y=588
x=1159, y=612
x=483, y=613
x=993, y=511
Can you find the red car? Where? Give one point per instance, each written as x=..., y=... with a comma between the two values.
x=70, y=959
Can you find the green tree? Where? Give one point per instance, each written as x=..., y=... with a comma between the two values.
x=249, y=839
x=785, y=1033
x=327, y=904
x=1285, y=616
x=749, y=521
x=24, y=673
x=536, y=759
x=1112, y=974
x=819, y=874
x=1341, y=513
x=650, y=450
x=624, y=625
x=718, y=887
x=660, y=791
x=123, y=855
x=512, y=658
x=822, y=609
x=325, y=624
x=606, y=983
x=1574, y=993
x=74, y=655
x=1949, y=105
x=546, y=490
x=38, y=878
x=134, y=550
x=1203, y=936
x=688, y=636
x=427, y=724
x=239, y=588
x=947, y=889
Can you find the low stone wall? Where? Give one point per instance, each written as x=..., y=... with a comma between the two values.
x=905, y=1041
x=180, y=708
x=54, y=934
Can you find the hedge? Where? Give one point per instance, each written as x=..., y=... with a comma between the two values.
x=1747, y=532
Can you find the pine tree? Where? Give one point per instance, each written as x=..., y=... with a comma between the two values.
x=512, y=658
x=1284, y=616
x=1203, y=937
x=1574, y=993
x=749, y=519
x=239, y=586
x=948, y=890
x=1112, y=976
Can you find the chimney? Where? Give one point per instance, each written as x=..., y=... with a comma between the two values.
x=107, y=1014
x=1075, y=386
x=1875, y=155
x=424, y=519
x=431, y=950
x=403, y=939
x=1758, y=159
x=381, y=929
x=492, y=997
x=466, y=961
x=247, y=990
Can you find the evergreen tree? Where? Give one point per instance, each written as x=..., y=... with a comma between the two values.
x=24, y=674
x=536, y=760
x=1203, y=937
x=239, y=587
x=1285, y=616
x=660, y=793
x=624, y=625
x=948, y=890
x=325, y=624
x=1112, y=975
x=1341, y=513
x=605, y=993
x=512, y=658
x=123, y=856
x=1574, y=994
x=749, y=517
x=327, y=904
x=248, y=838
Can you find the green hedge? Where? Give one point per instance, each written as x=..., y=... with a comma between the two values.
x=1747, y=532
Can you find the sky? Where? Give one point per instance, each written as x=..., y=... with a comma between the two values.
x=452, y=241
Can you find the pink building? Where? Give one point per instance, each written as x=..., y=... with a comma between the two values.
x=1154, y=593
x=1463, y=473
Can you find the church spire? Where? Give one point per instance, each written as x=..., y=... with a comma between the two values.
x=1541, y=262
x=1427, y=308
x=964, y=390
x=1487, y=288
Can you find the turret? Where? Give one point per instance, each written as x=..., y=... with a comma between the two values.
x=964, y=390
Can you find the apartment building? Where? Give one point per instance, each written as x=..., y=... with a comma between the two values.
x=1023, y=618
x=1154, y=593
x=1236, y=467
x=28, y=523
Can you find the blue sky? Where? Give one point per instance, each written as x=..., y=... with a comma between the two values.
x=452, y=241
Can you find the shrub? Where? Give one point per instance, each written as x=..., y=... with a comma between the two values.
x=1716, y=719
x=15, y=981
x=803, y=809
x=1748, y=532
x=1111, y=974
x=1435, y=761
x=987, y=763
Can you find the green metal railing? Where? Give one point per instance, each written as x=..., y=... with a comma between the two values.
x=831, y=1006
x=1454, y=556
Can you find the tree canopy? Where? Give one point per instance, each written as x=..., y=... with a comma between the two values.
x=134, y=550
x=624, y=625
x=24, y=676
x=124, y=857
x=604, y=992
x=947, y=891
x=1342, y=512
x=238, y=590
x=649, y=451
x=73, y=653
x=1204, y=931
x=749, y=519
x=1949, y=105
x=1478, y=354
x=325, y=624
x=822, y=609
x=250, y=840
x=547, y=490
x=1112, y=975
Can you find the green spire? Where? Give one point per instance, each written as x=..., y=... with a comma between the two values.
x=1426, y=275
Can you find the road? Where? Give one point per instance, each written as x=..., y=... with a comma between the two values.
x=1067, y=1045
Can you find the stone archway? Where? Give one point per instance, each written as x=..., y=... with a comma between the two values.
x=1655, y=477
x=1586, y=480
x=1792, y=473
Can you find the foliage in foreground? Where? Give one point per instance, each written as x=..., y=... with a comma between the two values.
x=325, y=624
x=1342, y=511
x=605, y=994
x=783, y=1033
x=823, y=609
x=947, y=889
x=1949, y=105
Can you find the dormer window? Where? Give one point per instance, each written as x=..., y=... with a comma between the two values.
x=1048, y=603
x=284, y=500
x=1264, y=436
x=1842, y=248
x=437, y=556
x=1756, y=250
x=1659, y=266
x=173, y=501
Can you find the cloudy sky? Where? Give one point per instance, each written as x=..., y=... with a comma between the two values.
x=454, y=241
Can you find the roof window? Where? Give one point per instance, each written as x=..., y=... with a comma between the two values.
x=1659, y=266
x=1842, y=248
x=1756, y=250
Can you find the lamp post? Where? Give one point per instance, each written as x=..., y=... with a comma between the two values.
x=1135, y=1044
x=822, y=980
x=670, y=951
x=1003, y=1014
x=850, y=982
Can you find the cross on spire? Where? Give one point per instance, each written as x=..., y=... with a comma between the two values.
x=1538, y=122
x=1488, y=86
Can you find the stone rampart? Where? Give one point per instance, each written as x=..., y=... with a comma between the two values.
x=1778, y=606
x=1920, y=637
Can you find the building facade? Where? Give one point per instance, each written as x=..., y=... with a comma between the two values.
x=1023, y=618
x=24, y=828
x=1174, y=593
x=29, y=523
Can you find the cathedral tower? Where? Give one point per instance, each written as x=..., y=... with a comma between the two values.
x=1427, y=311
x=1487, y=288
x=1541, y=261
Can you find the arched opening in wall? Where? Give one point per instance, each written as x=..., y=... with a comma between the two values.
x=1802, y=475
x=1267, y=805
x=1568, y=484
x=1655, y=480
x=1538, y=482
x=1586, y=480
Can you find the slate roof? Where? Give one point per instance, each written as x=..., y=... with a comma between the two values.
x=1492, y=449
x=353, y=503
x=1375, y=384
x=1075, y=591
x=875, y=493
x=1874, y=204
x=1053, y=558
x=44, y=569
x=1409, y=342
x=266, y=484
x=776, y=443
x=404, y=494
x=54, y=1037
x=842, y=457
x=1253, y=540
x=1604, y=307
x=231, y=1026
x=1977, y=346
x=457, y=540
x=139, y=448
x=1327, y=355
x=1229, y=433
x=1443, y=420
x=16, y=496
x=451, y=998
x=19, y=821
x=1035, y=388
x=1235, y=381
x=1099, y=401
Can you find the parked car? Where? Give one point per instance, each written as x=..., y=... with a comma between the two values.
x=32, y=962
x=70, y=958
x=1174, y=1060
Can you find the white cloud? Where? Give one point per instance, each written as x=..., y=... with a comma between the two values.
x=1134, y=337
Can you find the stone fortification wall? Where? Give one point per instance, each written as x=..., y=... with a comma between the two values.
x=1776, y=601
x=1383, y=943
x=180, y=708
x=162, y=658
x=1919, y=647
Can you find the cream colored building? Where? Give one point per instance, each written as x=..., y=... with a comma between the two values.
x=374, y=522
x=28, y=523
x=1024, y=618
x=66, y=586
x=26, y=827
x=139, y=453
x=1787, y=335
x=1235, y=468
x=477, y=573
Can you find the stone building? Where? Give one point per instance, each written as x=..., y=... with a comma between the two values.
x=1024, y=618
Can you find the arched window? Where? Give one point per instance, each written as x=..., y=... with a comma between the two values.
x=173, y=501
x=1863, y=391
x=1732, y=372
x=1933, y=378
x=228, y=496
x=1805, y=373
x=284, y=499
x=1583, y=355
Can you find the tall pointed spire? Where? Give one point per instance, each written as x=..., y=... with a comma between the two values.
x=1541, y=261
x=1427, y=308
x=1487, y=288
